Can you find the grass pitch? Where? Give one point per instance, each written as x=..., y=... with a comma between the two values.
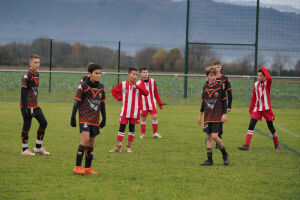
x=157, y=169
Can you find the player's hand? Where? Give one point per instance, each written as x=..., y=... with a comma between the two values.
x=25, y=112
x=228, y=110
x=134, y=86
x=223, y=119
x=199, y=120
x=160, y=106
x=103, y=123
x=73, y=122
x=250, y=112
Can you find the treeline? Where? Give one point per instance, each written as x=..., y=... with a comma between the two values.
x=77, y=55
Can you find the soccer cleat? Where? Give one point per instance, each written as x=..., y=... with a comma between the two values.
x=27, y=153
x=207, y=163
x=244, y=147
x=157, y=135
x=78, y=170
x=115, y=150
x=40, y=151
x=277, y=147
x=226, y=159
x=128, y=150
x=90, y=171
x=142, y=136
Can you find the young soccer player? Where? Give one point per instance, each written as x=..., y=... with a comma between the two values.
x=130, y=93
x=214, y=106
x=149, y=103
x=261, y=107
x=222, y=79
x=90, y=100
x=30, y=108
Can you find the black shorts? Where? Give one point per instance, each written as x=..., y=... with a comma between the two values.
x=212, y=127
x=93, y=130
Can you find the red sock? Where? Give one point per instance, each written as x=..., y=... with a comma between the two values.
x=120, y=139
x=155, y=126
x=143, y=127
x=130, y=139
x=275, y=139
x=249, y=137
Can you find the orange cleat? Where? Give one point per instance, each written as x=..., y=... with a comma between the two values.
x=90, y=171
x=78, y=170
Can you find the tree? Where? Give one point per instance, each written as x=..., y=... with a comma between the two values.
x=159, y=59
x=172, y=57
x=279, y=63
x=297, y=66
x=144, y=57
x=200, y=56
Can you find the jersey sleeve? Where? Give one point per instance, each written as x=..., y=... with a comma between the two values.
x=143, y=90
x=103, y=96
x=117, y=92
x=253, y=100
x=268, y=77
x=227, y=85
x=79, y=93
x=25, y=80
x=224, y=100
x=156, y=94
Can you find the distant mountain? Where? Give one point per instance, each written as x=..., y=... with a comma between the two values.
x=144, y=21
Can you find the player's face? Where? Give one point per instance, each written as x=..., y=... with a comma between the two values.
x=34, y=64
x=144, y=74
x=211, y=77
x=218, y=68
x=95, y=75
x=132, y=76
x=260, y=76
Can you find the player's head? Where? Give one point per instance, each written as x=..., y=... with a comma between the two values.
x=144, y=73
x=94, y=71
x=211, y=73
x=132, y=74
x=217, y=65
x=34, y=62
x=260, y=75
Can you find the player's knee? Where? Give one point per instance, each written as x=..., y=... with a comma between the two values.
x=271, y=127
x=24, y=134
x=215, y=136
x=131, y=128
x=154, y=117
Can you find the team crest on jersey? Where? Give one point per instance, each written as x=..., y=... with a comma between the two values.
x=216, y=94
x=85, y=125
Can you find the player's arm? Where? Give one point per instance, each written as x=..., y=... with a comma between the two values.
x=143, y=90
x=267, y=75
x=23, y=94
x=229, y=95
x=117, y=92
x=78, y=99
x=201, y=109
x=156, y=95
x=224, y=110
x=253, y=100
x=103, y=111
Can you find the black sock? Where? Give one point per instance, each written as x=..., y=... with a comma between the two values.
x=209, y=154
x=80, y=153
x=222, y=149
x=89, y=157
x=39, y=137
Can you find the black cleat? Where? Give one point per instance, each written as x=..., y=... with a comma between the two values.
x=277, y=147
x=244, y=147
x=226, y=159
x=206, y=163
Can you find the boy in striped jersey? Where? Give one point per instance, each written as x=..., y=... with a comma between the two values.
x=149, y=103
x=130, y=94
x=261, y=107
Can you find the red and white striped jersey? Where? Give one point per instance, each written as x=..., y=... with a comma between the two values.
x=149, y=102
x=261, y=100
x=131, y=98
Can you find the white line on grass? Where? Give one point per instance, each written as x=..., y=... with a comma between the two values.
x=285, y=130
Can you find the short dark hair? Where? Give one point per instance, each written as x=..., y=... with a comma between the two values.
x=92, y=67
x=33, y=56
x=210, y=69
x=216, y=62
x=132, y=69
x=261, y=71
x=143, y=69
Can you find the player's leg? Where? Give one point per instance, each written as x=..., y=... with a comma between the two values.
x=40, y=132
x=84, y=142
x=249, y=134
x=120, y=137
x=155, y=124
x=274, y=134
x=209, y=153
x=25, y=130
x=216, y=129
x=220, y=134
x=89, y=155
x=130, y=136
x=143, y=125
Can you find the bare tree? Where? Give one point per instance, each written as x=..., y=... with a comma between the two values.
x=279, y=62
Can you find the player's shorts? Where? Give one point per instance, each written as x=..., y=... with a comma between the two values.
x=212, y=127
x=124, y=120
x=267, y=114
x=94, y=130
x=146, y=112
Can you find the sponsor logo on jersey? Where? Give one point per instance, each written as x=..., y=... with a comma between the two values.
x=85, y=125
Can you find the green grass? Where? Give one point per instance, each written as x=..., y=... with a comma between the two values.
x=157, y=169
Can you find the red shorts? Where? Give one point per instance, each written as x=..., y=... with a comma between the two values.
x=267, y=114
x=146, y=112
x=124, y=120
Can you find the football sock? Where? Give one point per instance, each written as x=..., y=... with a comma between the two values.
x=155, y=126
x=89, y=157
x=40, y=137
x=222, y=149
x=120, y=139
x=275, y=139
x=80, y=153
x=249, y=137
x=24, y=136
x=130, y=139
x=209, y=154
x=143, y=127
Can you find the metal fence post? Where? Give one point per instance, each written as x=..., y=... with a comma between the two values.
x=175, y=88
x=248, y=91
x=50, y=65
x=119, y=61
x=103, y=79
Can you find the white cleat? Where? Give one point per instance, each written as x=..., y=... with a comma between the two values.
x=27, y=153
x=128, y=150
x=41, y=151
x=157, y=135
x=142, y=136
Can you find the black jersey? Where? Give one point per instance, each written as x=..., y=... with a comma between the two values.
x=30, y=82
x=213, y=102
x=90, y=98
x=85, y=78
x=222, y=79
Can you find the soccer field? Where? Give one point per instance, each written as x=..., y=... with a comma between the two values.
x=157, y=169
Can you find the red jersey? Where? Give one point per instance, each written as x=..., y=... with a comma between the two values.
x=131, y=98
x=30, y=82
x=261, y=100
x=149, y=102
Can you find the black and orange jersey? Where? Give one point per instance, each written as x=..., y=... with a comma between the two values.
x=30, y=82
x=90, y=98
x=222, y=79
x=85, y=78
x=213, y=102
